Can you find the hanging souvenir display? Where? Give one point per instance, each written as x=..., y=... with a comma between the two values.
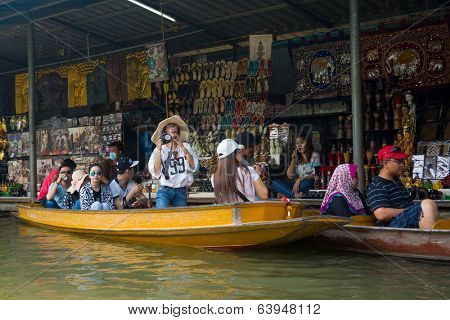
x=96, y=82
x=77, y=86
x=260, y=46
x=52, y=89
x=157, y=63
x=322, y=71
x=138, y=81
x=116, y=71
x=21, y=92
x=417, y=57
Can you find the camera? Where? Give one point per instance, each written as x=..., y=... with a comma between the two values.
x=166, y=138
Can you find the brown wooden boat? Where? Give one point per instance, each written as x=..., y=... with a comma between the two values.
x=362, y=235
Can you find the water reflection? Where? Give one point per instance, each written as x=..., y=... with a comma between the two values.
x=84, y=267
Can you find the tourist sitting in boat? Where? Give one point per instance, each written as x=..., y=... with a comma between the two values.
x=301, y=168
x=52, y=177
x=232, y=181
x=58, y=189
x=109, y=166
x=391, y=202
x=95, y=195
x=125, y=191
x=71, y=199
x=173, y=162
x=342, y=197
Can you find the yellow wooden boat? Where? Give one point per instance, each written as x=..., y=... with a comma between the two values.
x=266, y=223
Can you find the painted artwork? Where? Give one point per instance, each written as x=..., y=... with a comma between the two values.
x=157, y=63
x=43, y=142
x=416, y=57
x=19, y=144
x=442, y=167
x=44, y=167
x=322, y=71
x=419, y=162
x=19, y=172
x=59, y=142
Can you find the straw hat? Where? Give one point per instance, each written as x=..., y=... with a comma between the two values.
x=77, y=180
x=184, y=130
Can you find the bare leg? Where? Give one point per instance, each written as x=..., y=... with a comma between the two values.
x=429, y=216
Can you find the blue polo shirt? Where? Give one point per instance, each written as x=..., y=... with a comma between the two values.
x=384, y=193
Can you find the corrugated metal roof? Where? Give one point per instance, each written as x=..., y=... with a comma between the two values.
x=116, y=24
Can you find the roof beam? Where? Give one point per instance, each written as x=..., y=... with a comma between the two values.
x=305, y=12
x=84, y=31
x=14, y=61
x=52, y=10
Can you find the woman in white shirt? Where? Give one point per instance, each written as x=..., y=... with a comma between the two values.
x=234, y=182
x=172, y=163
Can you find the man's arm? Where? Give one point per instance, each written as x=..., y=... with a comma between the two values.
x=387, y=214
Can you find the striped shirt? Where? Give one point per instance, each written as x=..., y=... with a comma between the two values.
x=384, y=193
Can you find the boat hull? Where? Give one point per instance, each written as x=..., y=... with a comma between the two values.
x=411, y=243
x=218, y=226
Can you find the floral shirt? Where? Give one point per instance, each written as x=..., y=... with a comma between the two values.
x=307, y=169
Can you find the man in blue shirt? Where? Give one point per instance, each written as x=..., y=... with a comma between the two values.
x=389, y=200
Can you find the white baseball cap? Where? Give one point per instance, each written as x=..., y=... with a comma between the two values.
x=227, y=147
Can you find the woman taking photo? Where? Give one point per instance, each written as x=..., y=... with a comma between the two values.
x=232, y=181
x=303, y=161
x=342, y=197
x=94, y=195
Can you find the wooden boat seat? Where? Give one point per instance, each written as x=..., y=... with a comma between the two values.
x=443, y=224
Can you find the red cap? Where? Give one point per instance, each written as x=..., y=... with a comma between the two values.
x=391, y=152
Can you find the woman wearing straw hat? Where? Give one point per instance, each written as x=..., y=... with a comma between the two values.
x=173, y=161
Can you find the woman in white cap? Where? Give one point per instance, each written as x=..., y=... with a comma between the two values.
x=234, y=182
x=173, y=161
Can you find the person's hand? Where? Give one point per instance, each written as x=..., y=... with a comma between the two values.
x=159, y=144
x=61, y=177
x=296, y=186
x=259, y=168
x=294, y=156
x=136, y=188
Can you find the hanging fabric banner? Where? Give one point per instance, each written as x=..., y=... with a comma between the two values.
x=138, y=81
x=21, y=93
x=322, y=71
x=116, y=75
x=52, y=89
x=77, y=86
x=157, y=63
x=96, y=82
x=261, y=47
x=416, y=57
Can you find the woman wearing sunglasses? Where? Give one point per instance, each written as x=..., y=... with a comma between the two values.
x=58, y=189
x=95, y=195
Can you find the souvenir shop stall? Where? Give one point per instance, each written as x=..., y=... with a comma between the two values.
x=81, y=109
x=405, y=101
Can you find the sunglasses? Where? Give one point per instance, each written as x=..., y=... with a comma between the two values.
x=93, y=173
x=66, y=172
x=397, y=161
